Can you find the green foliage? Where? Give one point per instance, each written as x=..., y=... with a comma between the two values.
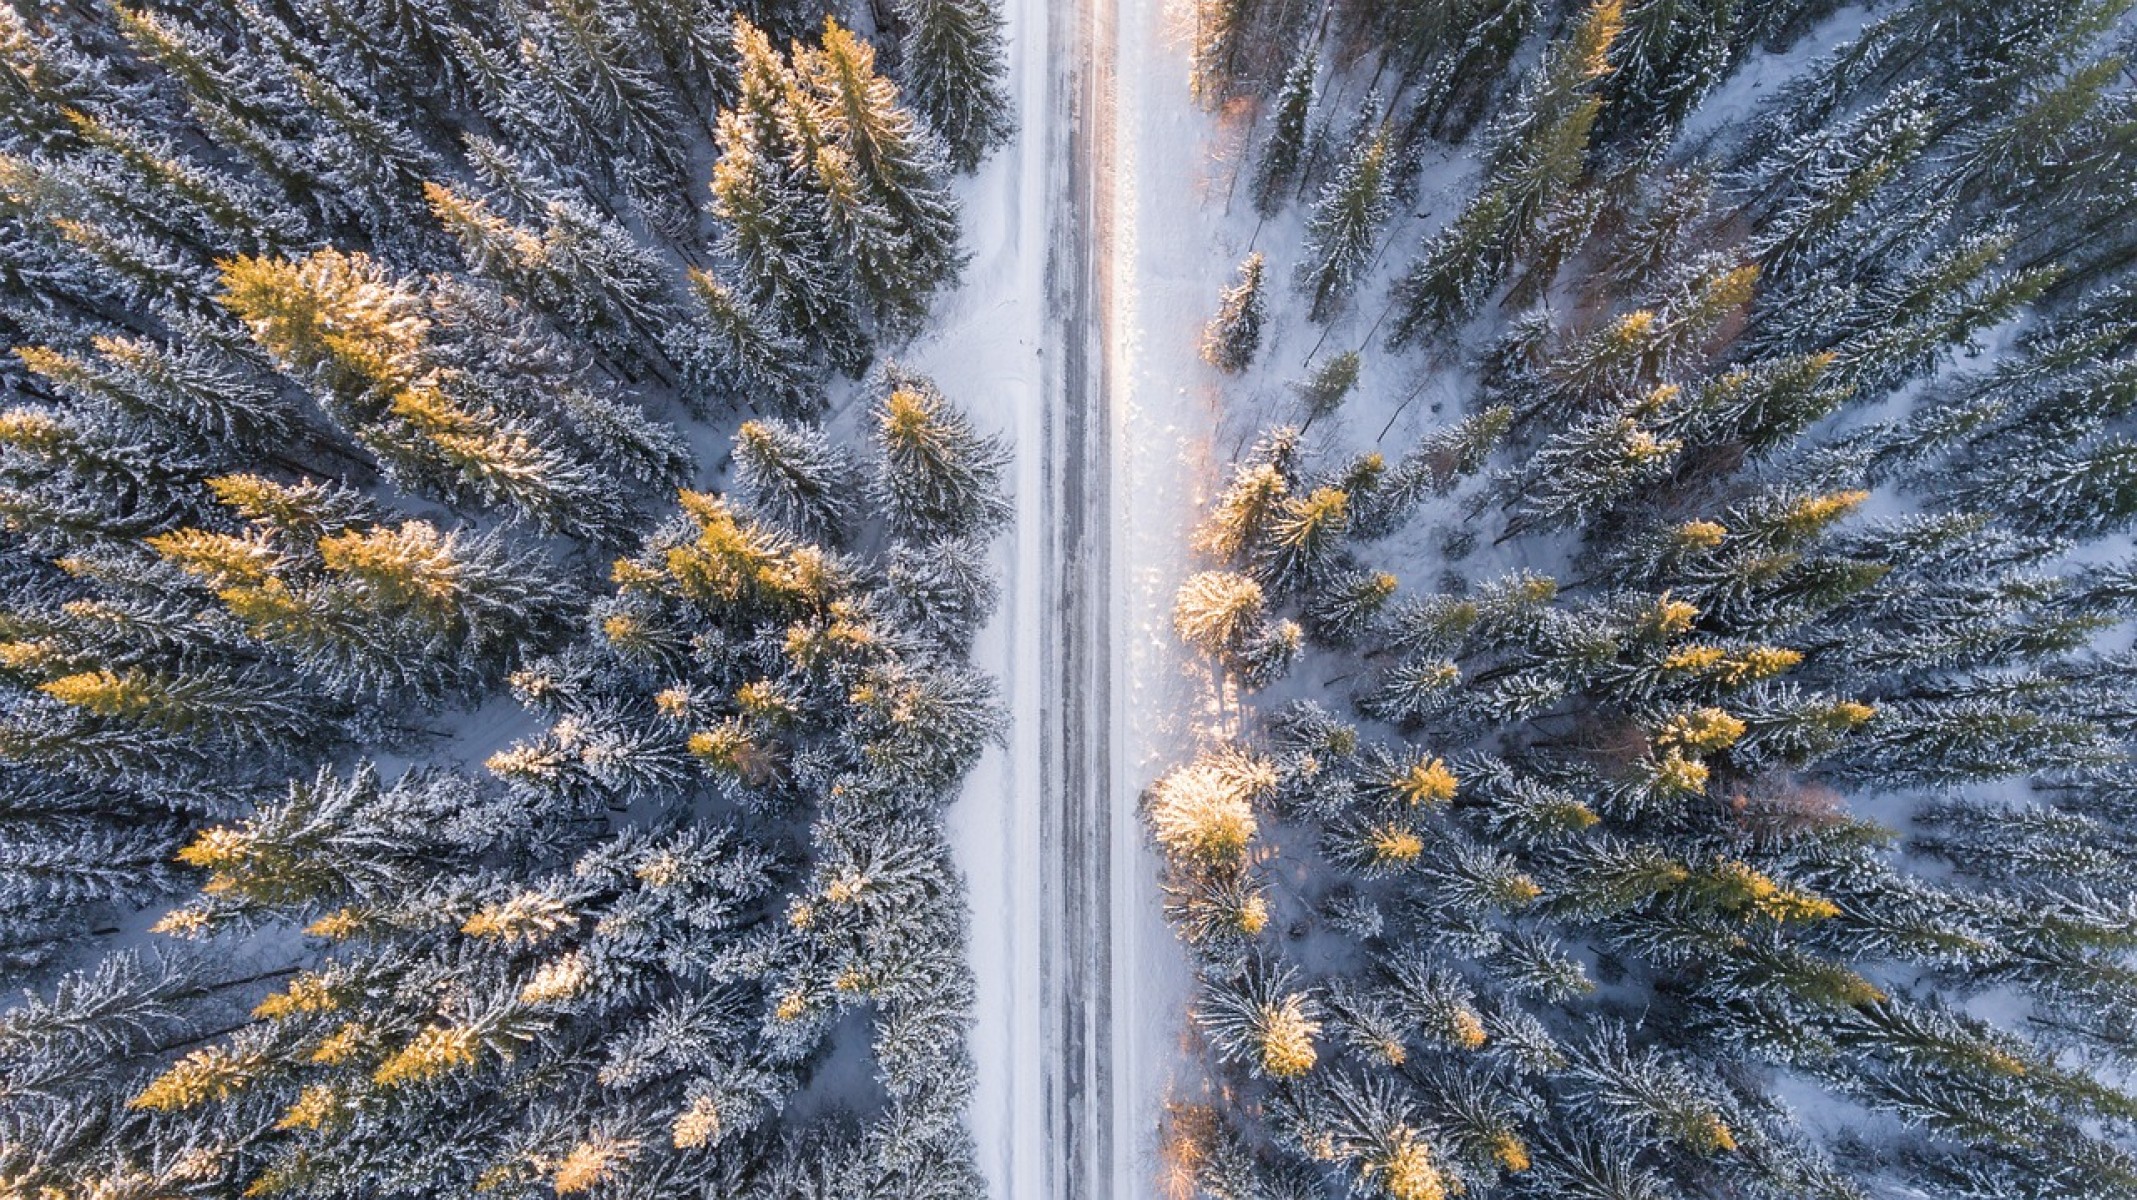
x=1802, y=774
x=347, y=343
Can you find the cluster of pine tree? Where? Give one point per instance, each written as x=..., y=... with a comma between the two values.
x=1727, y=793
x=352, y=341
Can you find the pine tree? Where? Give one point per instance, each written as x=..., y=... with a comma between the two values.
x=1641, y=1093
x=1456, y=273
x=2084, y=492
x=690, y=38
x=248, y=102
x=1345, y=222
x=1536, y=155
x=367, y=155
x=936, y=476
x=1341, y=613
x=580, y=267
x=1284, y=153
x=1766, y=404
x=954, y=66
x=367, y=346
x=189, y=389
x=1536, y=158
x=1371, y=1126
x=368, y=611
x=164, y=189
x=1815, y=185
x=48, y=76
x=1232, y=337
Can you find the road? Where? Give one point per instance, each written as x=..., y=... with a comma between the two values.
x=1078, y=801
x=1080, y=986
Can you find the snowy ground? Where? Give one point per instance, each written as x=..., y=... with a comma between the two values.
x=1170, y=255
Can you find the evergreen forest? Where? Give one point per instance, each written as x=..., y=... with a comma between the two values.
x=523, y=625
x=1700, y=765
x=484, y=622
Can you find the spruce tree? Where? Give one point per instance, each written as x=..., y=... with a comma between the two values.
x=936, y=476
x=797, y=478
x=743, y=349
x=775, y=228
x=953, y=68
x=1234, y=334
x=1345, y=222
x=1284, y=153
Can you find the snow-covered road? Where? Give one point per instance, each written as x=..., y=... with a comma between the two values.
x=1076, y=715
x=1074, y=333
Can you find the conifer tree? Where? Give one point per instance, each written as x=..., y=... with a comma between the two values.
x=1594, y=464
x=1536, y=158
x=366, y=345
x=1648, y=778
x=747, y=351
x=1221, y=32
x=1284, y=153
x=580, y=267
x=1456, y=273
x=223, y=556
x=775, y=227
x=1670, y=55
x=1217, y=611
x=953, y=61
x=946, y=588
x=1234, y=334
x=1270, y=654
x=1260, y=1020
x=1304, y=540
x=1330, y=384
x=897, y=172
x=797, y=478
x=936, y=476
x=1345, y=222
x=1341, y=613
x=1237, y=524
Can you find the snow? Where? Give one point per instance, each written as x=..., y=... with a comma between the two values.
x=1169, y=261
x=1179, y=223
x=1176, y=234
x=984, y=353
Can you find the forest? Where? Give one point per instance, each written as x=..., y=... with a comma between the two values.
x=484, y=619
x=1700, y=766
x=517, y=598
